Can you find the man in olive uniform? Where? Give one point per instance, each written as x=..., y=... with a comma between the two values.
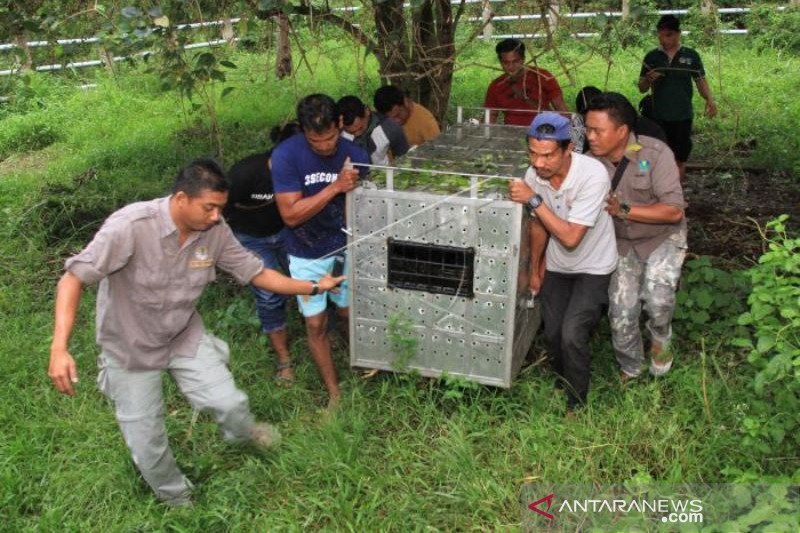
x=646, y=203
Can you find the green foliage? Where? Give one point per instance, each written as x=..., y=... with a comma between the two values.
x=457, y=387
x=774, y=314
x=770, y=28
x=30, y=91
x=403, y=340
x=635, y=31
x=704, y=27
x=709, y=300
x=25, y=133
x=396, y=456
x=773, y=322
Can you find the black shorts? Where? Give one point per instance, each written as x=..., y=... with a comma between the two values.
x=679, y=137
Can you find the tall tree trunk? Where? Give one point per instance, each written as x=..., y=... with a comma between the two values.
x=553, y=10
x=390, y=24
x=486, y=19
x=626, y=9
x=419, y=62
x=283, y=55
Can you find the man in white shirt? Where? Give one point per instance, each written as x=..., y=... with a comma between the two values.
x=573, y=250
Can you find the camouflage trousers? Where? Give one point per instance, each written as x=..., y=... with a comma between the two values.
x=650, y=283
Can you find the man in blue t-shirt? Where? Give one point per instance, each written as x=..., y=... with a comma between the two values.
x=311, y=173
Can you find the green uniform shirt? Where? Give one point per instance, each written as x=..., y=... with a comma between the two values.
x=672, y=93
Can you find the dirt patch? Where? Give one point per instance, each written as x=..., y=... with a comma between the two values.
x=724, y=207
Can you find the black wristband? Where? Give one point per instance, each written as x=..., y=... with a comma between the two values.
x=314, y=288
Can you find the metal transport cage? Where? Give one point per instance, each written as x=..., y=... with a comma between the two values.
x=439, y=260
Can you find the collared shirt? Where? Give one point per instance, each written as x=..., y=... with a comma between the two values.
x=581, y=199
x=672, y=93
x=651, y=177
x=532, y=92
x=149, y=285
x=421, y=126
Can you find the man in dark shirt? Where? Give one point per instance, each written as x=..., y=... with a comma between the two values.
x=668, y=72
x=254, y=218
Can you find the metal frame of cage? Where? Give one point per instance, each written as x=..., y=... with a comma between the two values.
x=439, y=282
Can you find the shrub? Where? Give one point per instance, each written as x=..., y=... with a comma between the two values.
x=773, y=338
x=23, y=134
x=709, y=300
x=770, y=28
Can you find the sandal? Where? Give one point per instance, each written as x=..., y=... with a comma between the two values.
x=281, y=380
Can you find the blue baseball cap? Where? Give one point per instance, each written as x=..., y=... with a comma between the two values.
x=559, y=129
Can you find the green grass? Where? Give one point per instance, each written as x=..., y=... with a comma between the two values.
x=403, y=453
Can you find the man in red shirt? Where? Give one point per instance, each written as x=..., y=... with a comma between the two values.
x=521, y=91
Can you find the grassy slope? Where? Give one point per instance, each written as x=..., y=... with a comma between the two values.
x=402, y=453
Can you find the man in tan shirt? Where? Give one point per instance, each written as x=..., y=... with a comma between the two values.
x=646, y=203
x=152, y=260
x=418, y=123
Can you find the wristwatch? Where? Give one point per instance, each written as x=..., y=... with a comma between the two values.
x=624, y=210
x=535, y=201
x=314, y=288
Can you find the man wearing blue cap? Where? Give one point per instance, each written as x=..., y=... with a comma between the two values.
x=573, y=250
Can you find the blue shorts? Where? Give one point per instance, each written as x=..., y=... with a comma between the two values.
x=313, y=270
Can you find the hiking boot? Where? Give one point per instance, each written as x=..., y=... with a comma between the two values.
x=264, y=436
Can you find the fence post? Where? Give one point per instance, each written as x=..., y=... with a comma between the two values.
x=626, y=9
x=486, y=18
x=707, y=7
x=553, y=12
x=227, y=32
x=22, y=43
x=107, y=57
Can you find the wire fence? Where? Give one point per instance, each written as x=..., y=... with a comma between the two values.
x=219, y=23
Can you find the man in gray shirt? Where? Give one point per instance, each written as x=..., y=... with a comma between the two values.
x=381, y=137
x=574, y=235
x=152, y=260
